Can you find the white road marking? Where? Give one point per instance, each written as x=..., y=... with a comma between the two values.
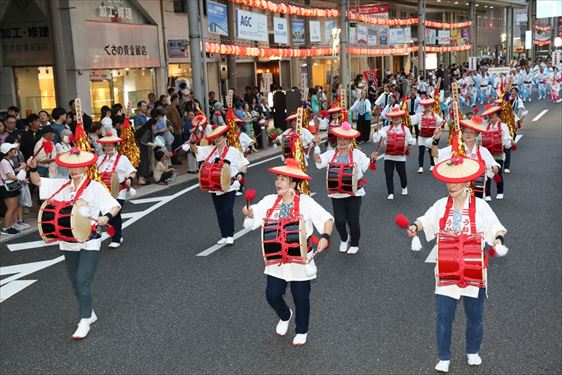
x=537, y=117
x=432, y=257
x=148, y=200
x=518, y=137
x=14, y=287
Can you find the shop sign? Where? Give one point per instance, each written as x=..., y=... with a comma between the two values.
x=407, y=34
x=297, y=31
x=372, y=36
x=430, y=36
x=114, y=46
x=444, y=37
x=362, y=34
x=370, y=75
x=178, y=48
x=353, y=35
x=384, y=35
x=372, y=9
x=280, y=30
x=251, y=26
x=100, y=75
x=396, y=36
x=328, y=27
x=217, y=18
x=24, y=43
x=114, y=10
x=315, y=34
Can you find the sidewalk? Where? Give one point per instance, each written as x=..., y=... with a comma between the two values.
x=182, y=179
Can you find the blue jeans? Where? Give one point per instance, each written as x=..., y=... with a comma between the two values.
x=300, y=290
x=474, y=310
x=224, y=207
x=80, y=266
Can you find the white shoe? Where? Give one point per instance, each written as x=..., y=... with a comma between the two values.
x=353, y=250
x=405, y=191
x=114, y=245
x=474, y=359
x=229, y=241
x=83, y=329
x=506, y=171
x=300, y=339
x=390, y=197
x=238, y=193
x=499, y=196
x=420, y=170
x=343, y=247
x=93, y=318
x=17, y=226
x=488, y=198
x=443, y=366
x=431, y=168
x=23, y=225
x=222, y=241
x=283, y=325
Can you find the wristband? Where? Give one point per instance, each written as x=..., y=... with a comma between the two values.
x=435, y=142
x=326, y=236
x=416, y=225
x=109, y=215
x=33, y=169
x=130, y=178
x=500, y=238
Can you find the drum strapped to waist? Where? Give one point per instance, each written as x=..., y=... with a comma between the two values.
x=428, y=126
x=284, y=239
x=61, y=220
x=289, y=145
x=460, y=259
x=342, y=177
x=215, y=176
x=396, y=143
x=493, y=141
x=111, y=178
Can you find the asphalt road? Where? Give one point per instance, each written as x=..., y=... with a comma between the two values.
x=163, y=309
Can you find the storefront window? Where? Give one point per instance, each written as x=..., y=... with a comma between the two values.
x=180, y=72
x=36, y=89
x=323, y=72
x=108, y=87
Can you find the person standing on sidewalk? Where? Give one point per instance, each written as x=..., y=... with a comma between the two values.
x=362, y=108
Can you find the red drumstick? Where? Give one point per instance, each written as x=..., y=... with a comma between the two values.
x=250, y=195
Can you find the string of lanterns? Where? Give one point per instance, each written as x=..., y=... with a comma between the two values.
x=541, y=28
x=295, y=10
x=542, y=42
x=228, y=49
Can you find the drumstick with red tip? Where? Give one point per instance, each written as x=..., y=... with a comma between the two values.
x=250, y=195
x=403, y=222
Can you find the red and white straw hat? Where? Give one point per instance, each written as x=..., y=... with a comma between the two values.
x=475, y=123
x=489, y=109
x=75, y=158
x=110, y=138
x=396, y=112
x=345, y=131
x=291, y=169
x=458, y=169
x=334, y=110
x=428, y=101
x=218, y=131
x=291, y=117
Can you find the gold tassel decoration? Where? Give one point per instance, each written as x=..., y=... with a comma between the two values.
x=129, y=147
x=81, y=141
x=232, y=134
x=299, y=156
x=406, y=118
x=456, y=114
x=437, y=104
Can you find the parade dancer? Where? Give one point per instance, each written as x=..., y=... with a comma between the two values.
x=427, y=121
x=80, y=257
x=541, y=78
x=470, y=129
x=527, y=85
x=289, y=258
x=462, y=225
x=231, y=165
x=334, y=123
x=519, y=113
x=554, y=85
x=117, y=173
x=397, y=140
x=289, y=136
x=496, y=140
x=346, y=166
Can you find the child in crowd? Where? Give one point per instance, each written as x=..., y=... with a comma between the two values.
x=162, y=172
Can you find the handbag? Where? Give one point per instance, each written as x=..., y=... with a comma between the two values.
x=11, y=185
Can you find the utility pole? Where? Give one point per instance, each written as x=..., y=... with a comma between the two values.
x=195, y=47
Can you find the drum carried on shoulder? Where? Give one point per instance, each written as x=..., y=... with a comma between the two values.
x=284, y=241
x=61, y=221
x=214, y=177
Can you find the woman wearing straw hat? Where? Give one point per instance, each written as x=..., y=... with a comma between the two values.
x=114, y=162
x=80, y=258
x=346, y=204
x=398, y=141
x=460, y=219
x=497, y=141
x=289, y=205
x=223, y=200
x=427, y=122
x=471, y=129
x=307, y=139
